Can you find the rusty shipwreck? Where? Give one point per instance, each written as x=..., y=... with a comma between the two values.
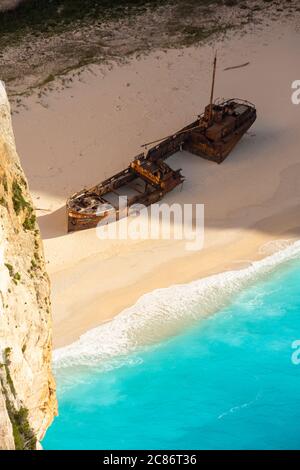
x=148, y=177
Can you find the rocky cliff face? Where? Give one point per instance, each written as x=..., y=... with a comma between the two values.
x=27, y=389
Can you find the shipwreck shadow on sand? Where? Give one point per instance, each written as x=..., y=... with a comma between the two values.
x=256, y=144
x=253, y=149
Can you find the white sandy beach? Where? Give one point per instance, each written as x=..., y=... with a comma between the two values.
x=75, y=137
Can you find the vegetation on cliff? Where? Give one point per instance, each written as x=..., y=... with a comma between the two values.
x=27, y=388
x=24, y=436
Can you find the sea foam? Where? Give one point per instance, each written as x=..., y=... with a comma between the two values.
x=164, y=312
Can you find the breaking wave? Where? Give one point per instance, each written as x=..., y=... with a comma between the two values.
x=162, y=313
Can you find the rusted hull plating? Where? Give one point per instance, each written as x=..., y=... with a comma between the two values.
x=148, y=178
x=216, y=152
x=89, y=208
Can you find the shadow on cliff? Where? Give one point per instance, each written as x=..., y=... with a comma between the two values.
x=53, y=225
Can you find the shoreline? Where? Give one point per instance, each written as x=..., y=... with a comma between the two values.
x=241, y=254
x=250, y=200
x=235, y=360
x=152, y=320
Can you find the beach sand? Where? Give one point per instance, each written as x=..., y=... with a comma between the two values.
x=75, y=137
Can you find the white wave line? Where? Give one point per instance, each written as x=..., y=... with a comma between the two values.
x=236, y=408
x=165, y=312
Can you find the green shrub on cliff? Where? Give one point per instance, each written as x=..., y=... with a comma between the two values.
x=29, y=222
x=19, y=202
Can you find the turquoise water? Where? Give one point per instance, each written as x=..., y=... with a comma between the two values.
x=226, y=383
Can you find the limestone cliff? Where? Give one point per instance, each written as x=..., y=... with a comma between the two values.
x=27, y=389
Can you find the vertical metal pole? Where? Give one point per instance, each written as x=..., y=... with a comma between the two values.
x=212, y=88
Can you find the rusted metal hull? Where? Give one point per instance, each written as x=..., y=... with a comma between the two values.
x=148, y=178
x=78, y=221
x=216, y=151
x=147, y=182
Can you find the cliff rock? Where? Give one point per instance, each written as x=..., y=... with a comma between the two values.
x=27, y=388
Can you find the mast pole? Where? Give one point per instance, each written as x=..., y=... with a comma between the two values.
x=212, y=87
